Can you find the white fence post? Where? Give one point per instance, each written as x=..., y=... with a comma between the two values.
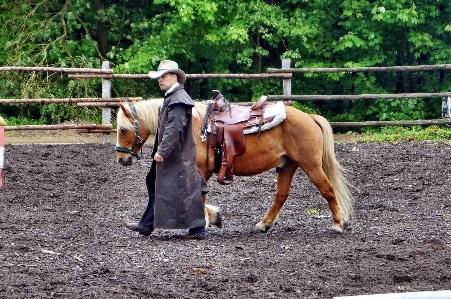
x=106, y=94
x=286, y=82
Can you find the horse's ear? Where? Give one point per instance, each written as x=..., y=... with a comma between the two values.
x=125, y=110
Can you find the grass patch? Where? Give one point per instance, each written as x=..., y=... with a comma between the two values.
x=413, y=133
x=19, y=121
x=312, y=211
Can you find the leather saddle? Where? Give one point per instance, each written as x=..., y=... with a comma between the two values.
x=224, y=124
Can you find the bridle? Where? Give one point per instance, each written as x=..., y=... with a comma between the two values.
x=138, y=140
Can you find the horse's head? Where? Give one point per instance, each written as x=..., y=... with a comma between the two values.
x=131, y=134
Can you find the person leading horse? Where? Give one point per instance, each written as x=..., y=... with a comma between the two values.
x=174, y=183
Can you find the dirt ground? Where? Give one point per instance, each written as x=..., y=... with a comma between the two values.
x=61, y=235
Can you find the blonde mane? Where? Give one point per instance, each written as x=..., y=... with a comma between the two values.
x=147, y=114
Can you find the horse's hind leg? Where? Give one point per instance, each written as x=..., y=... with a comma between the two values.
x=320, y=180
x=284, y=179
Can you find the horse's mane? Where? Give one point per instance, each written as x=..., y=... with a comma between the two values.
x=147, y=113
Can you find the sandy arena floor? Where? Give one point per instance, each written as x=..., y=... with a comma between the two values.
x=61, y=234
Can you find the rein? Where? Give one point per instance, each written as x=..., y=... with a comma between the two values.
x=138, y=138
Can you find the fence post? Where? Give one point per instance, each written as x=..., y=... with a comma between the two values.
x=2, y=148
x=286, y=82
x=106, y=94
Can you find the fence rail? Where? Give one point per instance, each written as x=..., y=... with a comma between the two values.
x=68, y=100
x=55, y=69
x=412, y=68
x=391, y=123
x=358, y=96
x=103, y=127
x=188, y=76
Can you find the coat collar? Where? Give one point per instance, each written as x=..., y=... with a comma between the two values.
x=173, y=89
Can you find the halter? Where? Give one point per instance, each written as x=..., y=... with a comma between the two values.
x=138, y=138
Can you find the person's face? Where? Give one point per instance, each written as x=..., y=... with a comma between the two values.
x=167, y=80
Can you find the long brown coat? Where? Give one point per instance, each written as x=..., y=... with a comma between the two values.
x=178, y=199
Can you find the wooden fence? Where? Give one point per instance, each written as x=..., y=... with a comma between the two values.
x=368, y=96
x=284, y=73
x=106, y=102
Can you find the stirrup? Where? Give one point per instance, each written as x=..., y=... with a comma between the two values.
x=225, y=175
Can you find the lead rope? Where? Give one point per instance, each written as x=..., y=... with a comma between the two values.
x=142, y=164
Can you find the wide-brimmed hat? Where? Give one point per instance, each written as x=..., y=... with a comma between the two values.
x=168, y=66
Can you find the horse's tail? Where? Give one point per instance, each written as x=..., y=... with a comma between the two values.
x=335, y=171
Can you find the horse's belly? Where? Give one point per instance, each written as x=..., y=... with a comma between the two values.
x=258, y=157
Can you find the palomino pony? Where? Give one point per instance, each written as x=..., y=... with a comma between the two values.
x=301, y=140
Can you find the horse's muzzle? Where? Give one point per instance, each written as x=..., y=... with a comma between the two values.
x=125, y=162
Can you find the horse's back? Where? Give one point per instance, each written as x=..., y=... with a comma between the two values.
x=297, y=137
x=294, y=138
x=301, y=130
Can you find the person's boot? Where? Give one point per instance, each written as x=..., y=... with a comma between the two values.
x=134, y=226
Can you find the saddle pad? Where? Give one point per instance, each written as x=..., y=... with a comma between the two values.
x=272, y=115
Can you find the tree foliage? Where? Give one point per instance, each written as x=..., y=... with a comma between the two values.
x=235, y=36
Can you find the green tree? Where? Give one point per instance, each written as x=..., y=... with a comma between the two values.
x=235, y=36
x=372, y=33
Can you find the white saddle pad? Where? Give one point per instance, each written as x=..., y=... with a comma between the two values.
x=276, y=113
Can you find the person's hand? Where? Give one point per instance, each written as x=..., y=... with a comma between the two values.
x=158, y=157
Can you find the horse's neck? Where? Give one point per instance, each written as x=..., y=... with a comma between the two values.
x=150, y=109
x=149, y=114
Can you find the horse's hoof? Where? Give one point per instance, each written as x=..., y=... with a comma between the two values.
x=345, y=224
x=261, y=228
x=218, y=220
x=337, y=228
x=214, y=215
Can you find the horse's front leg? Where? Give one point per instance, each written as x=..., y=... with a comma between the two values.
x=213, y=216
x=284, y=179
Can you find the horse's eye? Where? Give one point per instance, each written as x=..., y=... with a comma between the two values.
x=123, y=130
